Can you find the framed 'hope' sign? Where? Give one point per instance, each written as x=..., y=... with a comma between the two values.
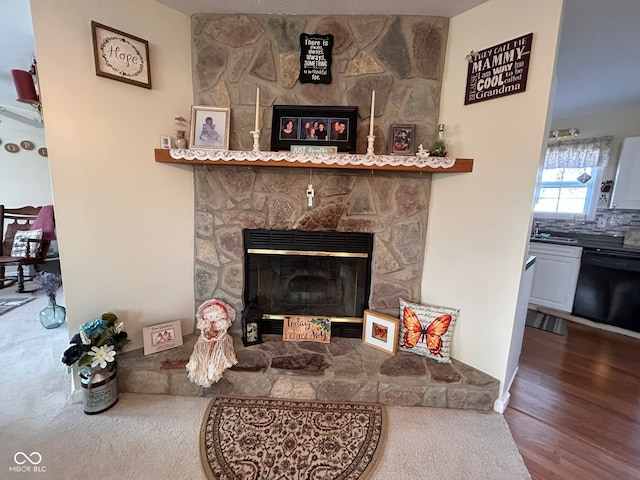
x=120, y=56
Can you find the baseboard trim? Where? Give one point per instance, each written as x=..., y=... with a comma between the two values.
x=500, y=405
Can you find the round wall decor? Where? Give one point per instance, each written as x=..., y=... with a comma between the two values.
x=12, y=148
x=27, y=145
x=43, y=151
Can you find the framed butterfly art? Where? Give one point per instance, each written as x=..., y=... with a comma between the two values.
x=427, y=330
x=380, y=331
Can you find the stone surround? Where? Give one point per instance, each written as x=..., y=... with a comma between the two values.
x=393, y=206
x=400, y=57
x=343, y=370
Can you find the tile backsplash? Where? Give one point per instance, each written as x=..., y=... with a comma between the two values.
x=607, y=222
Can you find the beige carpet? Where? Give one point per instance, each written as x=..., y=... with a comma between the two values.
x=157, y=436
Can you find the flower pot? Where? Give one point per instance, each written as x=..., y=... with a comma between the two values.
x=53, y=315
x=99, y=388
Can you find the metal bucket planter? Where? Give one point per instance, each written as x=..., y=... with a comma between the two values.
x=99, y=388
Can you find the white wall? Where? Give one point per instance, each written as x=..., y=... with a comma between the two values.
x=479, y=222
x=24, y=176
x=124, y=222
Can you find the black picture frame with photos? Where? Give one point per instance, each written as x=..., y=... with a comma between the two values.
x=314, y=126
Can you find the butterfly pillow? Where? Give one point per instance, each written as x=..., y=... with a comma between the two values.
x=427, y=330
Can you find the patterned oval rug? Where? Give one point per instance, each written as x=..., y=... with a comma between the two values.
x=276, y=439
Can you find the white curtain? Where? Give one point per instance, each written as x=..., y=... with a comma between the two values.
x=588, y=152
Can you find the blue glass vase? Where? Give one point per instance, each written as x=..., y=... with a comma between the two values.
x=53, y=315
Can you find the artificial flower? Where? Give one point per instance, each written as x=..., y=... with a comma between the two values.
x=84, y=337
x=49, y=282
x=181, y=122
x=96, y=343
x=94, y=328
x=102, y=356
x=72, y=354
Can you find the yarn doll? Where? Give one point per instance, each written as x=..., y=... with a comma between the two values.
x=213, y=352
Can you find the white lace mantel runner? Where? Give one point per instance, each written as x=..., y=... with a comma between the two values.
x=418, y=161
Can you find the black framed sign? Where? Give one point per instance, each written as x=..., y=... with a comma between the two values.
x=499, y=70
x=314, y=125
x=315, y=58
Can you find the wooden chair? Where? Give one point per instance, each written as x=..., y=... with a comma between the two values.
x=13, y=220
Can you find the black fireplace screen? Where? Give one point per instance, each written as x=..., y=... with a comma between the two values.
x=308, y=273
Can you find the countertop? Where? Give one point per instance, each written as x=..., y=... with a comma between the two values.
x=604, y=243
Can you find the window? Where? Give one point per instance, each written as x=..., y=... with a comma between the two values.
x=568, y=182
x=566, y=191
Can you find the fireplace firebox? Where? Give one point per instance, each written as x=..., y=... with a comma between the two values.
x=290, y=272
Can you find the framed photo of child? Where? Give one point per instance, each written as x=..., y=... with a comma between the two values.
x=401, y=140
x=209, y=127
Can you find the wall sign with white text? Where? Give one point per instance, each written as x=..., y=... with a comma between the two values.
x=499, y=70
x=315, y=58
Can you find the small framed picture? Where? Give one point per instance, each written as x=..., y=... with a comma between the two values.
x=165, y=142
x=162, y=337
x=381, y=331
x=120, y=56
x=401, y=140
x=209, y=127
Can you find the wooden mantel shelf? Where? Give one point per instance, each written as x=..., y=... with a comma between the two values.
x=401, y=163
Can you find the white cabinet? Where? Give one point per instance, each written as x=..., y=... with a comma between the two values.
x=626, y=188
x=556, y=275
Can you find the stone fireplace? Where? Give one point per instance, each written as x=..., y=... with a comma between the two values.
x=391, y=206
x=401, y=58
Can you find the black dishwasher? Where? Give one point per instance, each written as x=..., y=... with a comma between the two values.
x=608, y=289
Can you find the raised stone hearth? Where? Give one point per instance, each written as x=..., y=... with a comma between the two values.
x=343, y=370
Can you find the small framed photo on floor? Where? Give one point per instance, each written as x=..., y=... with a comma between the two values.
x=162, y=337
x=209, y=127
x=381, y=331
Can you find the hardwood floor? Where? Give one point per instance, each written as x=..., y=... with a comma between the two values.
x=575, y=405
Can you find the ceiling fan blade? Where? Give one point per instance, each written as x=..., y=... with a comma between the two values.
x=32, y=121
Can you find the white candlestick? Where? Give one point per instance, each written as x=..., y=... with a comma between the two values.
x=373, y=107
x=257, y=109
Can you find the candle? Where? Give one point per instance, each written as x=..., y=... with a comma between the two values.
x=373, y=107
x=257, y=109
